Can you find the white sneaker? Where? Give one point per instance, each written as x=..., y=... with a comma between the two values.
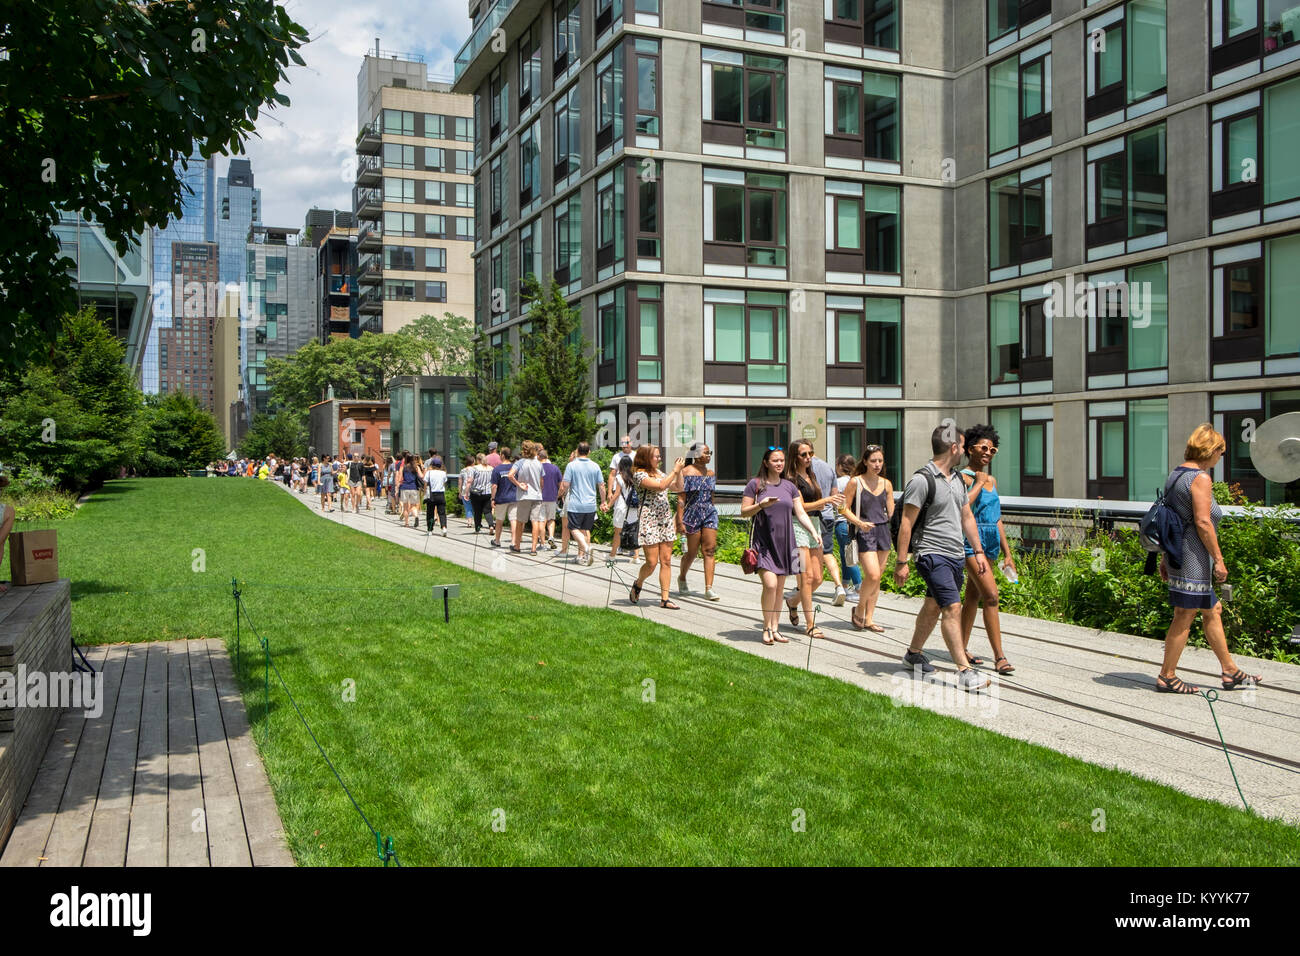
x=840, y=596
x=682, y=587
x=710, y=596
x=854, y=597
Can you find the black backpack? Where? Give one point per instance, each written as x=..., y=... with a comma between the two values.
x=897, y=521
x=1161, y=528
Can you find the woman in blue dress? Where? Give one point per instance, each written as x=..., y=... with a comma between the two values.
x=982, y=589
x=697, y=517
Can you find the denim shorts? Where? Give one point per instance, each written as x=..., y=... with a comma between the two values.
x=943, y=576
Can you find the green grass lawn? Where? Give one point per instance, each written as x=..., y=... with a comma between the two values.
x=529, y=712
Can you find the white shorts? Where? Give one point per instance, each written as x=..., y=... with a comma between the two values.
x=547, y=509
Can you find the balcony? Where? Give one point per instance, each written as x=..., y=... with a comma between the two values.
x=368, y=202
x=481, y=35
x=370, y=270
x=370, y=302
x=370, y=171
x=370, y=237
x=340, y=285
x=369, y=140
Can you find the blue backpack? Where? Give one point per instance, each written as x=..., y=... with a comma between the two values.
x=1161, y=529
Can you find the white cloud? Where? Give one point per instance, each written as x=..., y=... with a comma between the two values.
x=301, y=151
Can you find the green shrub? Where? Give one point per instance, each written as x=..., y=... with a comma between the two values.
x=44, y=504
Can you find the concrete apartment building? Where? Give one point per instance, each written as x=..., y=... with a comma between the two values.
x=227, y=387
x=185, y=347
x=842, y=220
x=414, y=194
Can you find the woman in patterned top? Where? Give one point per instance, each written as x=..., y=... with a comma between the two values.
x=1191, y=587
x=697, y=517
x=656, y=520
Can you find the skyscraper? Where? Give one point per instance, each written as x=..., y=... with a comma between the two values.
x=238, y=209
x=281, y=314
x=196, y=224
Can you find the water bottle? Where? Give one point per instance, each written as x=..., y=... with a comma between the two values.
x=1009, y=573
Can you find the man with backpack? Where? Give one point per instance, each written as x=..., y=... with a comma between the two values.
x=936, y=512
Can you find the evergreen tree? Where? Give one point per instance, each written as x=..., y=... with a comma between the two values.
x=490, y=408
x=553, y=383
x=177, y=434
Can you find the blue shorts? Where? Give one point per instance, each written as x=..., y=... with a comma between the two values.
x=943, y=577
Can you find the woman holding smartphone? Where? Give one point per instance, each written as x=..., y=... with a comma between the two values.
x=775, y=505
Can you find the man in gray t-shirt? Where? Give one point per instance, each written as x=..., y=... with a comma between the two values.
x=939, y=551
x=824, y=475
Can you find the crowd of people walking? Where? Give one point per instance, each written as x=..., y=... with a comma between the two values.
x=799, y=508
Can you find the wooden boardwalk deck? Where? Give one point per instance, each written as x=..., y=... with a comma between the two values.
x=166, y=776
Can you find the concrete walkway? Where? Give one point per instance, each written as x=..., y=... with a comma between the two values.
x=166, y=776
x=1089, y=694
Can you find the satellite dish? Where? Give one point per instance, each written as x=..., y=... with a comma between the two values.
x=1275, y=449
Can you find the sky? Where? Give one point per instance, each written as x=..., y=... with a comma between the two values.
x=301, y=151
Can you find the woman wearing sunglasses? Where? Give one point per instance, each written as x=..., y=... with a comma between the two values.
x=776, y=507
x=798, y=470
x=982, y=589
x=869, y=506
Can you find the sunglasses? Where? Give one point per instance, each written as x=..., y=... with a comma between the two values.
x=805, y=454
x=985, y=449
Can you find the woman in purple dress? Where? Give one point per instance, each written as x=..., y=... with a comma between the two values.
x=775, y=505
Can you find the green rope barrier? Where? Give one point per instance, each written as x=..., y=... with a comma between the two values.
x=383, y=845
x=1210, y=697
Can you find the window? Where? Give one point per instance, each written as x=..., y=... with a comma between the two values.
x=568, y=240
x=397, y=156
x=863, y=347
x=647, y=339
x=758, y=18
x=399, y=257
x=1249, y=35
x=568, y=42
x=1233, y=415
x=435, y=226
x=530, y=252
x=498, y=304
x=457, y=194
x=497, y=187
x=1013, y=19
x=1254, y=139
x=1127, y=206
x=399, y=190
x=1020, y=222
x=500, y=357
x=462, y=161
x=1256, y=327
x=1126, y=63
x=867, y=27
x=862, y=233
x=435, y=260
x=530, y=165
x=1023, y=465
x=611, y=344
x=1020, y=343
x=434, y=159
x=862, y=119
x=530, y=66
x=433, y=126
x=744, y=104
x=609, y=100
x=646, y=95
x=1020, y=104
x=463, y=226
x=498, y=103
x=644, y=175
x=464, y=129
x=744, y=343
x=399, y=224
x=402, y=290
x=744, y=224
x=1128, y=449
x=611, y=225
x=568, y=135
x=739, y=437
x=1128, y=323
x=399, y=123
x=435, y=292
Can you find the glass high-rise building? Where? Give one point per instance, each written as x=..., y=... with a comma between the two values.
x=196, y=224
